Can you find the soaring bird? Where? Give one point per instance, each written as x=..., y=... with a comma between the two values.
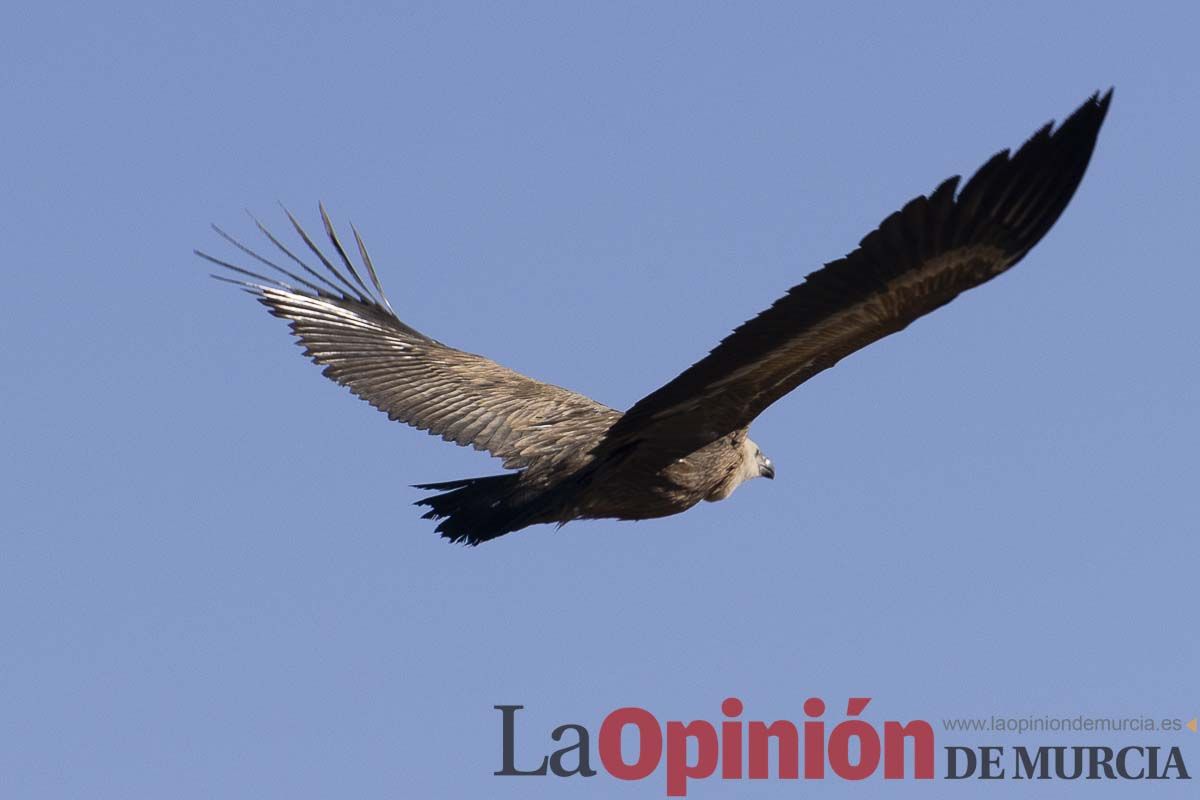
x=572, y=458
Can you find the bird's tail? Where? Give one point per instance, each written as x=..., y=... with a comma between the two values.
x=475, y=510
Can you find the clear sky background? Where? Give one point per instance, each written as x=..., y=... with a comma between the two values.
x=213, y=583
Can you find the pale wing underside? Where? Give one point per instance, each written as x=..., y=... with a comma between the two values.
x=350, y=329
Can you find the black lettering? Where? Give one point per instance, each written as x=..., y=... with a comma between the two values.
x=509, y=743
x=1096, y=763
x=952, y=762
x=1175, y=761
x=1123, y=767
x=1060, y=765
x=581, y=747
x=990, y=757
x=1039, y=764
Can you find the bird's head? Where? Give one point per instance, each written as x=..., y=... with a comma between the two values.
x=761, y=466
x=766, y=469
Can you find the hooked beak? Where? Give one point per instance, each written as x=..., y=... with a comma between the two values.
x=767, y=469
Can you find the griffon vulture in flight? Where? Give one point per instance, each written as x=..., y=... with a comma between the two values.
x=686, y=441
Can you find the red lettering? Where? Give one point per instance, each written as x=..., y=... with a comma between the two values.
x=814, y=739
x=787, y=742
x=649, y=743
x=868, y=749
x=893, y=748
x=731, y=740
x=678, y=770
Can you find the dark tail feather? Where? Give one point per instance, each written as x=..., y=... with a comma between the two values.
x=476, y=510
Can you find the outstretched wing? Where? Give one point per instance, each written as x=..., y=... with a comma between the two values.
x=350, y=328
x=919, y=259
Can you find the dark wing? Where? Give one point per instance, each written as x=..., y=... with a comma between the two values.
x=919, y=259
x=350, y=328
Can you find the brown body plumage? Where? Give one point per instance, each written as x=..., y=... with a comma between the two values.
x=687, y=441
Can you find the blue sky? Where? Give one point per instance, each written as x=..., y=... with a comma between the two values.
x=213, y=581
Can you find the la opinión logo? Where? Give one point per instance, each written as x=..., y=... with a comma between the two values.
x=738, y=749
x=853, y=749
